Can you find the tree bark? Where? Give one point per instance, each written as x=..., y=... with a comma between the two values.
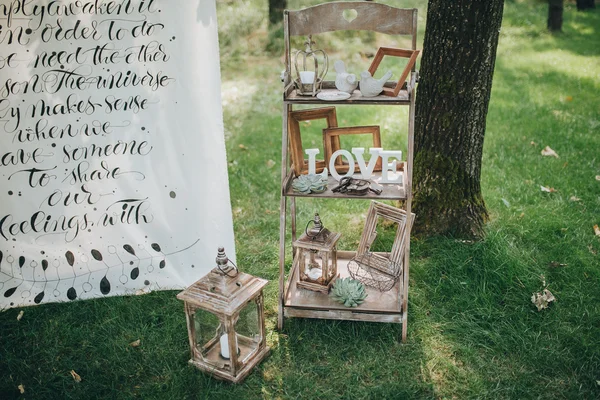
x=555, y=15
x=276, y=8
x=583, y=5
x=459, y=53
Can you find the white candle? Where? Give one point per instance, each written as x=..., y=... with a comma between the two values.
x=224, y=341
x=314, y=273
x=307, y=76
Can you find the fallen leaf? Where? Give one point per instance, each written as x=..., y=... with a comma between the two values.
x=547, y=151
x=547, y=190
x=569, y=98
x=596, y=230
x=241, y=146
x=270, y=164
x=574, y=198
x=135, y=343
x=556, y=264
x=20, y=315
x=542, y=300
x=521, y=215
x=598, y=177
x=75, y=376
x=506, y=202
x=21, y=389
x=238, y=211
x=533, y=143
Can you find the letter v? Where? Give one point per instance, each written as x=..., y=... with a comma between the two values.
x=366, y=170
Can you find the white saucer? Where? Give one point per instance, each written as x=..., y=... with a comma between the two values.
x=333, y=96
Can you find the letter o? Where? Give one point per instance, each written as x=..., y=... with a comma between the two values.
x=333, y=171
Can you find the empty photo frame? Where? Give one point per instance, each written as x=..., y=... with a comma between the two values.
x=300, y=165
x=332, y=143
x=393, y=52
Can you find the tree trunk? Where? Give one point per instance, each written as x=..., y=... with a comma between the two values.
x=276, y=8
x=455, y=82
x=555, y=15
x=583, y=5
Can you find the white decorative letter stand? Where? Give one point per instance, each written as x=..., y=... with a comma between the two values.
x=389, y=173
x=109, y=114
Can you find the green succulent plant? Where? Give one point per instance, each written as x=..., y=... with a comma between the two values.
x=349, y=292
x=309, y=184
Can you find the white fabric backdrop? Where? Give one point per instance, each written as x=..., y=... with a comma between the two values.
x=113, y=174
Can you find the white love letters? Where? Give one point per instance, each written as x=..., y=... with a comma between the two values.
x=388, y=173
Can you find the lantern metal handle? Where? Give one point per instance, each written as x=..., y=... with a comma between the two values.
x=222, y=263
x=318, y=224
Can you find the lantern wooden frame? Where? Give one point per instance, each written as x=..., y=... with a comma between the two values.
x=225, y=296
x=325, y=246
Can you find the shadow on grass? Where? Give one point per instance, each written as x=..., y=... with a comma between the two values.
x=341, y=359
x=479, y=297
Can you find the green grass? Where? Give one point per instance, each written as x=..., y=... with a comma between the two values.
x=473, y=332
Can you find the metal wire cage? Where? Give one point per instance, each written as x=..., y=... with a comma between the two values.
x=362, y=268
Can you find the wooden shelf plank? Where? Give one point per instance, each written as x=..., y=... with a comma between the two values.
x=390, y=191
x=381, y=306
x=356, y=97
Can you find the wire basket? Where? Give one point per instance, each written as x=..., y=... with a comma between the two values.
x=367, y=269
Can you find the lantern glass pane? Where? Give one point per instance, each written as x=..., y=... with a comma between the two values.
x=248, y=330
x=313, y=265
x=208, y=331
x=330, y=258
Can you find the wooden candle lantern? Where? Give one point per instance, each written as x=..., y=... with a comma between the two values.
x=317, y=257
x=225, y=320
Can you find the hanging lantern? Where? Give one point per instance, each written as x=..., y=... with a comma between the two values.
x=225, y=320
x=317, y=256
x=310, y=68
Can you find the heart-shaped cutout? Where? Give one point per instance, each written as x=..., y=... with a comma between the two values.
x=350, y=15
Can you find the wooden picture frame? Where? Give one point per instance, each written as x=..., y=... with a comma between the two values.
x=389, y=265
x=390, y=51
x=299, y=164
x=331, y=144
